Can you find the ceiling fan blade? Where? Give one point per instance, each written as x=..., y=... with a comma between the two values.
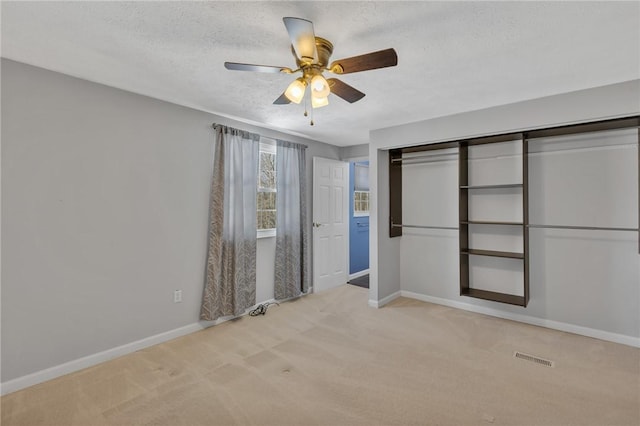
x=368, y=61
x=235, y=66
x=343, y=90
x=282, y=100
x=303, y=39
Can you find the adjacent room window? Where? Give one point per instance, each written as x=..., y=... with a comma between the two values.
x=361, y=189
x=266, y=201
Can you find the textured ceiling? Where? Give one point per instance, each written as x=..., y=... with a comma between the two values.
x=453, y=56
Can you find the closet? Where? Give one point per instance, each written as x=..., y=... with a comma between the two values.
x=573, y=189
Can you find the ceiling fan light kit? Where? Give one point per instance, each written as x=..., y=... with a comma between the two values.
x=319, y=87
x=319, y=102
x=312, y=57
x=295, y=91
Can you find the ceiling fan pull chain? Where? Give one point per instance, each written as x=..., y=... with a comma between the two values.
x=305, y=107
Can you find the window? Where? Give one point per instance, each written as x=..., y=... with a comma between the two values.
x=266, y=197
x=361, y=189
x=361, y=203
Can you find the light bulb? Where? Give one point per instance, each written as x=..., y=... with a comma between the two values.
x=319, y=102
x=319, y=87
x=295, y=91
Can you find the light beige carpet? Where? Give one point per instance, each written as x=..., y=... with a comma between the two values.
x=329, y=359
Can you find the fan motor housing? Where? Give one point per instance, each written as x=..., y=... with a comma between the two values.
x=324, y=49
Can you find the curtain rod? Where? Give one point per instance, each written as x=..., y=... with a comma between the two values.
x=213, y=125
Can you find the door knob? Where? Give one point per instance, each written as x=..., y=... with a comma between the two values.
x=317, y=225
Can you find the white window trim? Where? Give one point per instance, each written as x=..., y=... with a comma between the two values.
x=267, y=145
x=361, y=213
x=266, y=233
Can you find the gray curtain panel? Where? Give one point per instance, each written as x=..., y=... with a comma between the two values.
x=292, y=229
x=230, y=286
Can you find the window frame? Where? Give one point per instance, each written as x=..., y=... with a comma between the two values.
x=361, y=213
x=268, y=146
x=364, y=190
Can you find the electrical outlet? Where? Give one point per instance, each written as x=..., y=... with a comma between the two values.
x=177, y=296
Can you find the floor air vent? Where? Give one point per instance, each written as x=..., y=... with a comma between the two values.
x=532, y=358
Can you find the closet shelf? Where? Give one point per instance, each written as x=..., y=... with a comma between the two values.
x=507, y=195
x=493, y=253
x=511, y=299
x=504, y=185
x=489, y=222
x=468, y=191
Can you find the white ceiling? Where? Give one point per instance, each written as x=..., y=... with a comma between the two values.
x=453, y=56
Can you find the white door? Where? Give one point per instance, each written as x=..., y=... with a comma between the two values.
x=330, y=223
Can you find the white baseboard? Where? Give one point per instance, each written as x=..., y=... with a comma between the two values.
x=94, y=359
x=555, y=325
x=109, y=354
x=380, y=303
x=97, y=358
x=358, y=274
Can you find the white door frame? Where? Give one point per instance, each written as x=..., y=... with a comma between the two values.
x=350, y=160
x=338, y=277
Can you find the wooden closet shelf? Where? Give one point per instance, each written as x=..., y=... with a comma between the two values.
x=511, y=299
x=489, y=222
x=504, y=185
x=493, y=253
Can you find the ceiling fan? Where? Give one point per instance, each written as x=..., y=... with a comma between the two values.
x=312, y=57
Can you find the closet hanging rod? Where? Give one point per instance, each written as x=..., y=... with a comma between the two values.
x=398, y=225
x=586, y=228
x=425, y=161
x=433, y=158
x=536, y=139
x=577, y=148
x=400, y=160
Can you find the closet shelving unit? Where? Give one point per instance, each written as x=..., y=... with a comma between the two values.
x=466, y=188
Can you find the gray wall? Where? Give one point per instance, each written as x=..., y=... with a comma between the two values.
x=384, y=252
x=354, y=152
x=399, y=263
x=104, y=214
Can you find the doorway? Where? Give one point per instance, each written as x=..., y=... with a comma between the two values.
x=359, y=202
